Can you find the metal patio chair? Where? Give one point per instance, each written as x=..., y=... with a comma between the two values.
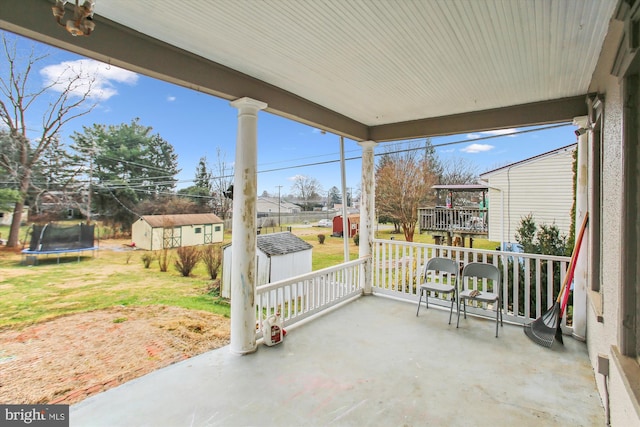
x=439, y=282
x=487, y=289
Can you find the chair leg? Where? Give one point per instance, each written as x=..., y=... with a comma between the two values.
x=497, y=314
x=419, y=302
x=451, y=310
x=460, y=301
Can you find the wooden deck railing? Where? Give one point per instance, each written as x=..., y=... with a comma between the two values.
x=454, y=219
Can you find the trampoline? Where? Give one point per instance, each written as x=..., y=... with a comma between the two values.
x=54, y=239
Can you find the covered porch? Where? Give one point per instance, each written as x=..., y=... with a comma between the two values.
x=504, y=65
x=369, y=361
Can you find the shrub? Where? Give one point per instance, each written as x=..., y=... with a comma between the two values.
x=321, y=238
x=163, y=259
x=213, y=288
x=147, y=259
x=212, y=257
x=188, y=257
x=356, y=239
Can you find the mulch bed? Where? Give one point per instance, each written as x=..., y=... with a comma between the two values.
x=70, y=358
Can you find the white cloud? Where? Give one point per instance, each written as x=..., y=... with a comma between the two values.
x=295, y=177
x=101, y=78
x=171, y=98
x=477, y=148
x=473, y=136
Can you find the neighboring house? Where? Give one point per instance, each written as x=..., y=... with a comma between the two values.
x=540, y=185
x=279, y=256
x=61, y=205
x=7, y=216
x=270, y=205
x=152, y=232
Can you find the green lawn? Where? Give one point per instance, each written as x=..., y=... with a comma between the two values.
x=30, y=294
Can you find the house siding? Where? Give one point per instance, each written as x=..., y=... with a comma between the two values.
x=603, y=336
x=542, y=187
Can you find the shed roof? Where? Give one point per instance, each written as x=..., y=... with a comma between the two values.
x=181, y=219
x=461, y=187
x=281, y=243
x=351, y=217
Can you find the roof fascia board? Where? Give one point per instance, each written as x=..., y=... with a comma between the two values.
x=120, y=46
x=533, y=159
x=538, y=113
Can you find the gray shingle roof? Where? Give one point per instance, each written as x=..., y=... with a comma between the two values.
x=281, y=243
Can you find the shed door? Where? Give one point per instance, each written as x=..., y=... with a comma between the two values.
x=172, y=237
x=208, y=234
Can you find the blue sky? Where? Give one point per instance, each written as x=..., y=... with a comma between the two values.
x=197, y=124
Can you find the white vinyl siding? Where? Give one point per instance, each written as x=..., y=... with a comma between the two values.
x=542, y=187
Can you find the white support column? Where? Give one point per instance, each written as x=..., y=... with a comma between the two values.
x=367, y=213
x=581, y=279
x=243, y=240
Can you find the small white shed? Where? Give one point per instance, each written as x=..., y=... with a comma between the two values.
x=152, y=232
x=279, y=256
x=540, y=185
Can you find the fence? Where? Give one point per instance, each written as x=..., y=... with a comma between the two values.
x=454, y=219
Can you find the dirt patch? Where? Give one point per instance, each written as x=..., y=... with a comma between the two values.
x=70, y=358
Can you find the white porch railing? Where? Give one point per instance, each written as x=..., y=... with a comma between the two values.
x=302, y=296
x=530, y=282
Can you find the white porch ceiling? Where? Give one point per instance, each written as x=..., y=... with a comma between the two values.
x=366, y=69
x=383, y=61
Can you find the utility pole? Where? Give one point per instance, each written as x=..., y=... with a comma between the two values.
x=91, y=154
x=279, y=187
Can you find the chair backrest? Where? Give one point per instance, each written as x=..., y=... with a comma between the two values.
x=481, y=270
x=444, y=265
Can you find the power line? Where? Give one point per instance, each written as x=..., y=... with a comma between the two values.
x=444, y=144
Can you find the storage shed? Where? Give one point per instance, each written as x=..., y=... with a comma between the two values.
x=279, y=256
x=152, y=232
x=541, y=185
x=353, y=222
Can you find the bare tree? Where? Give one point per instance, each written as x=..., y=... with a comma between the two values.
x=306, y=189
x=460, y=171
x=403, y=183
x=219, y=184
x=63, y=99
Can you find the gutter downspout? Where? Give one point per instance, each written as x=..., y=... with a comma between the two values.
x=493, y=187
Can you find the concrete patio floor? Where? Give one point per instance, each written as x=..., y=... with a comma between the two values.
x=369, y=362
